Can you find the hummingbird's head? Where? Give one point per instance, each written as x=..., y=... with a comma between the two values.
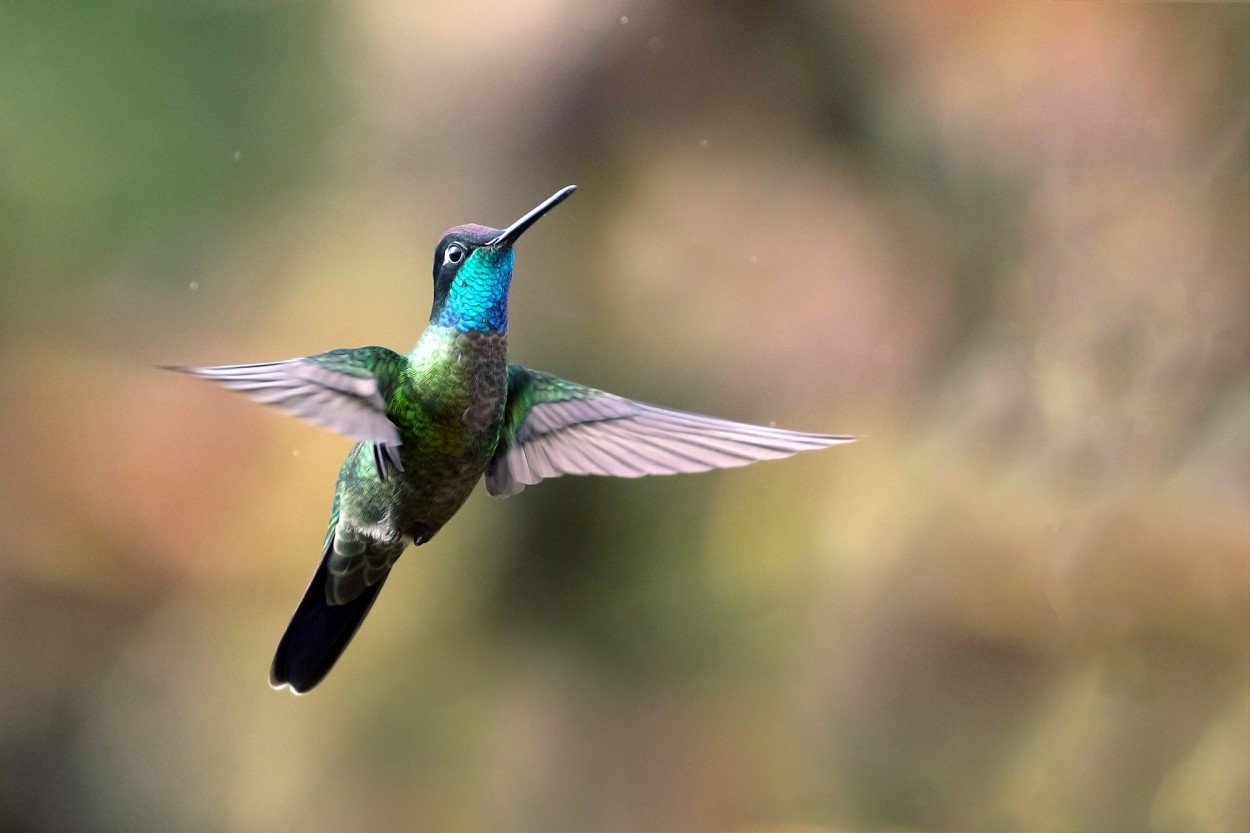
x=473, y=271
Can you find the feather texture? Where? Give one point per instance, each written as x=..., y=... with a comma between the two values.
x=340, y=390
x=554, y=427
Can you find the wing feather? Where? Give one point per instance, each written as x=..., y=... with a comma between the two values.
x=340, y=390
x=554, y=427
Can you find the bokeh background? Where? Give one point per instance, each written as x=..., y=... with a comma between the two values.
x=1008, y=243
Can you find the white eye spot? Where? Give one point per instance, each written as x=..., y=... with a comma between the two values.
x=454, y=254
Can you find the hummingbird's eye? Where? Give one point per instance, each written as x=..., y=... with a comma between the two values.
x=454, y=254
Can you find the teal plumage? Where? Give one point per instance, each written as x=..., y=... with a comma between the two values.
x=478, y=300
x=432, y=423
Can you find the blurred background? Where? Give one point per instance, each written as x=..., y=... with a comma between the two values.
x=1009, y=243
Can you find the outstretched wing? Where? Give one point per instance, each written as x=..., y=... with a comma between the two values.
x=343, y=390
x=553, y=427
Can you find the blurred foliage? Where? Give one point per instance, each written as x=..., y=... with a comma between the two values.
x=121, y=122
x=1008, y=243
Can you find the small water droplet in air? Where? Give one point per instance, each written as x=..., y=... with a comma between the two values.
x=655, y=45
x=237, y=155
x=295, y=452
x=772, y=423
x=624, y=19
x=754, y=260
x=703, y=143
x=194, y=285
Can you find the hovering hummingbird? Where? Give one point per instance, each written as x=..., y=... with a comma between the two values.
x=429, y=424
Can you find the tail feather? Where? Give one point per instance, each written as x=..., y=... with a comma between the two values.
x=318, y=634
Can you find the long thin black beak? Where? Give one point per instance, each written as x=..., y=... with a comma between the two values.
x=512, y=232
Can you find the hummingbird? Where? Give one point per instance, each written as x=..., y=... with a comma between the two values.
x=430, y=424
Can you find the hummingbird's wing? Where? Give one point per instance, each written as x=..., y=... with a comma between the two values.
x=343, y=390
x=553, y=427
x=354, y=566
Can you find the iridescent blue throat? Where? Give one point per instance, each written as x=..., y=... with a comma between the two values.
x=478, y=299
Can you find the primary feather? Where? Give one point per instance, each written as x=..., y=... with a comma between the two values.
x=340, y=390
x=554, y=427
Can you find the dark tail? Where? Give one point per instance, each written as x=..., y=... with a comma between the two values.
x=318, y=634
